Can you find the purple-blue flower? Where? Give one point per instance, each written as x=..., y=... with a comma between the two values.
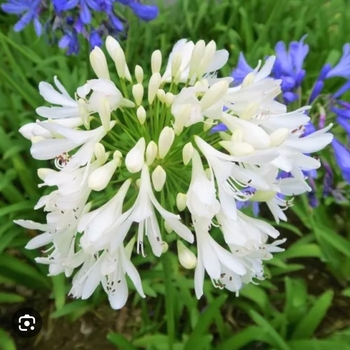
x=342, y=69
x=28, y=10
x=342, y=157
x=241, y=70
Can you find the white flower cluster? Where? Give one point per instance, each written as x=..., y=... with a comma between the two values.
x=132, y=154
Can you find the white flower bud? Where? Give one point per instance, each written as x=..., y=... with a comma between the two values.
x=187, y=153
x=156, y=61
x=104, y=111
x=214, y=94
x=278, y=137
x=100, y=177
x=153, y=86
x=43, y=172
x=248, y=80
x=208, y=124
x=166, y=139
x=139, y=74
x=134, y=160
x=237, y=135
x=100, y=153
x=151, y=152
x=117, y=54
x=176, y=64
x=237, y=148
x=167, y=227
x=177, y=77
x=161, y=95
x=197, y=55
x=158, y=178
x=181, y=199
x=137, y=182
x=169, y=98
x=263, y=196
x=137, y=91
x=186, y=257
x=99, y=63
x=165, y=247
x=141, y=115
x=208, y=55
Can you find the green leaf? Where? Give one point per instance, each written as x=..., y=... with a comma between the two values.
x=316, y=344
x=256, y=294
x=77, y=307
x=307, y=325
x=274, y=338
x=120, y=342
x=6, y=343
x=7, y=298
x=301, y=251
x=204, y=322
x=59, y=290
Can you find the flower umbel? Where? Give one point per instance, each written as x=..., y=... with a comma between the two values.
x=132, y=154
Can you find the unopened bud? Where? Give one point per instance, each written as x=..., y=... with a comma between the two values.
x=153, y=86
x=237, y=148
x=176, y=64
x=214, y=94
x=278, y=136
x=156, y=61
x=100, y=177
x=151, y=152
x=141, y=115
x=158, y=178
x=166, y=139
x=248, y=80
x=187, y=153
x=169, y=98
x=134, y=160
x=197, y=55
x=139, y=74
x=208, y=55
x=161, y=95
x=167, y=227
x=137, y=91
x=165, y=247
x=117, y=54
x=99, y=63
x=181, y=199
x=100, y=153
x=186, y=257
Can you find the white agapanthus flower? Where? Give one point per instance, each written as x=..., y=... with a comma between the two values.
x=132, y=152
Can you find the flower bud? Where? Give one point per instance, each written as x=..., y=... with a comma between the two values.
x=139, y=74
x=208, y=55
x=165, y=247
x=156, y=61
x=208, y=124
x=176, y=64
x=100, y=153
x=169, y=98
x=134, y=160
x=181, y=199
x=141, y=115
x=151, y=152
x=100, y=177
x=99, y=63
x=278, y=137
x=104, y=111
x=117, y=54
x=153, y=86
x=237, y=148
x=161, y=95
x=137, y=91
x=187, y=153
x=263, y=196
x=214, y=94
x=158, y=178
x=248, y=80
x=43, y=172
x=186, y=257
x=166, y=139
x=197, y=55
x=167, y=227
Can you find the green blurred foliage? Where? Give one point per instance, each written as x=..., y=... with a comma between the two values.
x=295, y=307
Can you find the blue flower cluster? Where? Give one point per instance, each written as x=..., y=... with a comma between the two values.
x=66, y=20
x=289, y=68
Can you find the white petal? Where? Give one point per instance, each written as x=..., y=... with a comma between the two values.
x=40, y=241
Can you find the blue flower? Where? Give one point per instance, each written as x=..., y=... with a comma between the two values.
x=342, y=157
x=344, y=123
x=28, y=10
x=95, y=39
x=70, y=42
x=342, y=69
x=317, y=89
x=241, y=71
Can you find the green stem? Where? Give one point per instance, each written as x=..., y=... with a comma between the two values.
x=169, y=305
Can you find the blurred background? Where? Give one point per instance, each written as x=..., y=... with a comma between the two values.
x=304, y=303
